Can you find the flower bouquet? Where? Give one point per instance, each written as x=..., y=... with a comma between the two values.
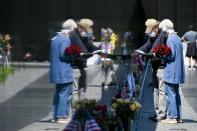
x=160, y=51
x=73, y=49
x=5, y=40
x=73, y=52
x=104, y=116
x=125, y=110
x=115, y=117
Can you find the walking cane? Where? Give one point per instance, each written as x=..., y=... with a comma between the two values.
x=140, y=96
x=143, y=82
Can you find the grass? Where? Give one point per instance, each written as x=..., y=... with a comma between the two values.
x=4, y=72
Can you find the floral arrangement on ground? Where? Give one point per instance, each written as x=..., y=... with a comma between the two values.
x=108, y=117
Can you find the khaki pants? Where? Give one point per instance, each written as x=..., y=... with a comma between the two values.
x=159, y=95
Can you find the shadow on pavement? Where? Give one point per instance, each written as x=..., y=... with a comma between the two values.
x=27, y=106
x=189, y=121
x=45, y=121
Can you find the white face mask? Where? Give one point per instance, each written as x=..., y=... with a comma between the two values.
x=153, y=34
x=84, y=34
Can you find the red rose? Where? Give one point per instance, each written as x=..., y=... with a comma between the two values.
x=73, y=49
x=98, y=107
x=68, y=51
x=162, y=50
x=104, y=108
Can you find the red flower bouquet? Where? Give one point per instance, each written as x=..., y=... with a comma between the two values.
x=162, y=50
x=73, y=51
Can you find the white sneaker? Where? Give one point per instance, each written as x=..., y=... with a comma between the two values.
x=61, y=120
x=169, y=121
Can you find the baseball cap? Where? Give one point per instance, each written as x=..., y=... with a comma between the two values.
x=150, y=24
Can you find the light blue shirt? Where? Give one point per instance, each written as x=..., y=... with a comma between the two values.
x=190, y=36
x=174, y=71
x=60, y=69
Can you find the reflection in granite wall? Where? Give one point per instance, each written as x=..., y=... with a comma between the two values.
x=32, y=23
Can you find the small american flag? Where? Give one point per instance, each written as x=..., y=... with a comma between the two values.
x=124, y=93
x=90, y=124
x=74, y=124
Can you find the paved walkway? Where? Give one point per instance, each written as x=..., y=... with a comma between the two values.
x=26, y=97
x=142, y=122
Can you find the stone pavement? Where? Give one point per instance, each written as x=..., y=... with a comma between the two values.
x=142, y=122
x=18, y=81
x=26, y=97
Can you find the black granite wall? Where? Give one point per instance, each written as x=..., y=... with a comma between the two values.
x=32, y=23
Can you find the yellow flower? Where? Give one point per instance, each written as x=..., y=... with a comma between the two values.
x=134, y=106
x=113, y=39
x=114, y=105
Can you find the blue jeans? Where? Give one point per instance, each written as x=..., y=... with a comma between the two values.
x=62, y=100
x=173, y=100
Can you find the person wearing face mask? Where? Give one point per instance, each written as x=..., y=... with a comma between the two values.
x=155, y=37
x=82, y=36
x=79, y=82
x=86, y=34
x=174, y=73
x=152, y=35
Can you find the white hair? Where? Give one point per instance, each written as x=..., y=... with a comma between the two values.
x=69, y=25
x=166, y=25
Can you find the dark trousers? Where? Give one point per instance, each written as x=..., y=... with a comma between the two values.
x=82, y=83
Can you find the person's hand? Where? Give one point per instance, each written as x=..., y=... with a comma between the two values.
x=86, y=55
x=150, y=55
x=97, y=52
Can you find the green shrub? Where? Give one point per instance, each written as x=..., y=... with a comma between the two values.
x=4, y=72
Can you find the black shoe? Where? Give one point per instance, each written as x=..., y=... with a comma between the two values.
x=103, y=84
x=153, y=118
x=189, y=66
x=112, y=83
x=156, y=119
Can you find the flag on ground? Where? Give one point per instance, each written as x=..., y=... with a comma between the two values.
x=124, y=93
x=74, y=124
x=90, y=124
